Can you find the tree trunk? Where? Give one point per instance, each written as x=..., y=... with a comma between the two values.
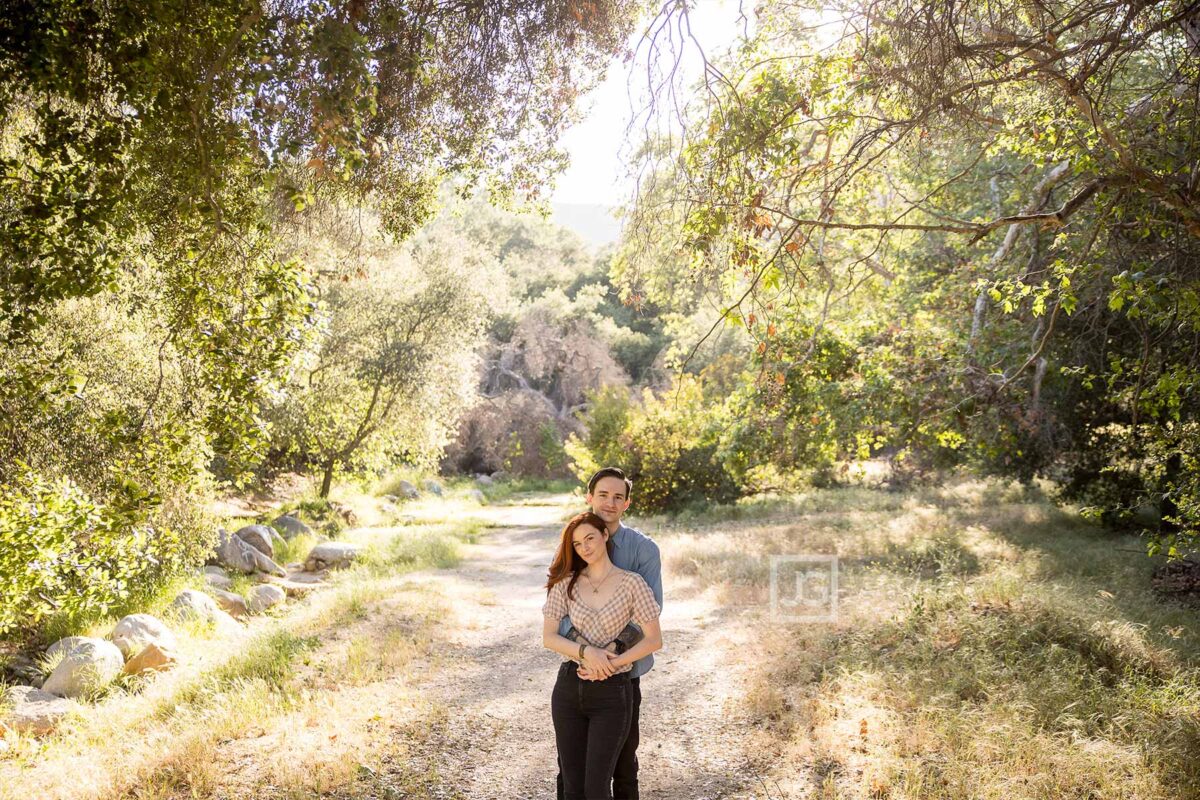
x=327, y=478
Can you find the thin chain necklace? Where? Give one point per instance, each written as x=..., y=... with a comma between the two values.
x=596, y=587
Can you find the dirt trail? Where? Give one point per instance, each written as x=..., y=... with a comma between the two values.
x=497, y=678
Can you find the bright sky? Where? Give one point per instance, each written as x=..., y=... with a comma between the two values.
x=597, y=143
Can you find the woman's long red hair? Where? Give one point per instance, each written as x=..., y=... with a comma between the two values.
x=567, y=563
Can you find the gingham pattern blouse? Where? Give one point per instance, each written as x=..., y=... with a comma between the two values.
x=633, y=600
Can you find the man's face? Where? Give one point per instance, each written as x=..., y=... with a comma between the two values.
x=608, y=500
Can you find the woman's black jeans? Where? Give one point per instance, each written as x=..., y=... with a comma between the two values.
x=591, y=719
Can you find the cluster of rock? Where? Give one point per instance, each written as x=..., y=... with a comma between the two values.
x=78, y=666
x=81, y=665
x=406, y=490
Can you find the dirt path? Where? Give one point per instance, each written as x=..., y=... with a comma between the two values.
x=497, y=679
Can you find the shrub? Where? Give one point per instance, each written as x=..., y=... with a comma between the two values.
x=668, y=445
x=64, y=555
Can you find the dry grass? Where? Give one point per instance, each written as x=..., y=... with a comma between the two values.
x=988, y=645
x=300, y=705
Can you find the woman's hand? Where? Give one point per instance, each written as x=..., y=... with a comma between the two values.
x=586, y=674
x=598, y=662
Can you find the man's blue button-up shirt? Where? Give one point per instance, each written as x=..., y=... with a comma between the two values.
x=636, y=552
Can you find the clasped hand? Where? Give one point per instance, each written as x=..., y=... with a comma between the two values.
x=598, y=663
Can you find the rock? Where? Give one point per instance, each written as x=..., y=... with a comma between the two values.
x=64, y=646
x=218, y=582
x=264, y=596
x=233, y=553
x=194, y=605
x=88, y=666
x=136, y=631
x=230, y=603
x=23, y=669
x=331, y=555
x=484, y=480
x=408, y=491
x=389, y=508
x=293, y=588
x=391, y=498
x=290, y=526
x=432, y=486
x=478, y=496
x=214, y=570
x=152, y=658
x=36, y=711
x=263, y=539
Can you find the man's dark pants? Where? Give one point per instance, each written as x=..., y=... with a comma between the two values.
x=625, y=775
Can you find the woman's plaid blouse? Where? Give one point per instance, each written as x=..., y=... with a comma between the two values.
x=633, y=601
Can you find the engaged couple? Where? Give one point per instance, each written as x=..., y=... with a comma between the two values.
x=603, y=597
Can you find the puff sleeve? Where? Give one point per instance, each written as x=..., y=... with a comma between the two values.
x=555, y=607
x=645, y=607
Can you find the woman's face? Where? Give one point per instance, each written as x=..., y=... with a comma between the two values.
x=589, y=543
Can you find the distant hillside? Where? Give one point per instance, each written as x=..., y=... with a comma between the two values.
x=592, y=221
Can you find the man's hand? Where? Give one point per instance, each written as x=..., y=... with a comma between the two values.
x=591, y=675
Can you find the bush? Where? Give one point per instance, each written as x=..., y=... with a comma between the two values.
x=669, y=446
x=64, y=555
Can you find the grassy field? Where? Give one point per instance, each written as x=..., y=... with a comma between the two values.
x=988, y=645
x=289, y=703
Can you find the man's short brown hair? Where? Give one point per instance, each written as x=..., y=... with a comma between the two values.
x=610, y=472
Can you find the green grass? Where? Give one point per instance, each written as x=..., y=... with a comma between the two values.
x=269, y=659
x=515, y=491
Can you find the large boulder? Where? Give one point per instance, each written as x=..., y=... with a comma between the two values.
x=193, y=605
x=136, y=631
x=36, y=711
x=263, y=539
x=233, y=553
x=331, y=555
x=408, y=491
x=151, y=658
x=64, y=646
x=87, y=667
x=290, y=526
x=264, y=596
x=232, y=604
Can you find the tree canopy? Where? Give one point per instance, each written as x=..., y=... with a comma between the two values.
x=954, y=232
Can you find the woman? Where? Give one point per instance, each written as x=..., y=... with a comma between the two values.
x=591, y=717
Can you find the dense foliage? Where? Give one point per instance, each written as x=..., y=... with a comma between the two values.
x=156, y=161
x=953, y=234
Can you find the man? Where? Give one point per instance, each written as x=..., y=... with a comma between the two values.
x=608, y=494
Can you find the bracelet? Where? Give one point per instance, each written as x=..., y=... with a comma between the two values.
x=582, y=647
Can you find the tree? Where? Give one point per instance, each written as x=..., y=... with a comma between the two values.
x=155, y=160
x=994, y=206
x=393, y=371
